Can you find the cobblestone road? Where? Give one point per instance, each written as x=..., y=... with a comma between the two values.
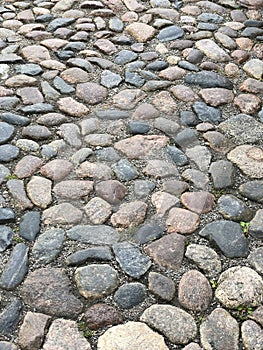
x=131, y=171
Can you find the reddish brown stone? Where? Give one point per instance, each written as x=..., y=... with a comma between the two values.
x=57, y=169
x=39, y=191
x=145, y=111
x=217, y=96
x=91, y=93
x=73, y=189
x=172, y=73
x=164, y=102
x=129, y=214
x=62, y=214
x=128, y=98
x=101, y=315
x=35, y=53
x=184, y=93
x=97, y=171
x=252, y=85
x=160, y=168
x=139, y=146
x=27, y=166
x=167, y=251
x=70, y=106
x=30, y=95
x=140, y=31
x=182, y=221
x=248, y=103
x=199, y=202
x=112, y=191
x=75, y=75
x=98, y=210
x=194, y=291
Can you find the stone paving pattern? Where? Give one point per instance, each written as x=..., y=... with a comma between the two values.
x=131, y=149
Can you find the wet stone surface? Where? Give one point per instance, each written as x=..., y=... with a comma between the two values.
x=131, y=174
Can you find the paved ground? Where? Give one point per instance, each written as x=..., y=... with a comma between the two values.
x=131, y=175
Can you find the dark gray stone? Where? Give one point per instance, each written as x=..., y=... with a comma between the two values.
x=222, y=174
x=251, y=32
x=125, y=56
x=38, y=108
x=129, y=295
x=188, y=118
x=6, y=236
x=31, y=69
x=29, y=225
x=208, y=79
x=6, y=132
x=58, y=23
x=124, y=170
x=8, y=153
x=132, y=261
x=157, y=65
x=134, y=78
x=177, y=155
x=210, y=17
x=99, y=253
x=255, y=259
x=148, y=232
x=75, y=46
x=14, y=119
x=161, y=286
x=112, y=114
x=256, y=225
x=170, y=33
x=48, y=245
x=233, y=208
x=62, y=86
x=187, y=138
x=207, y=113
x=6, y=215
x=153, y=85
x=252, y=190
x=81, y=63
x=188, y=66
x=138, y=128
x=9, y=317
x=107, y=154
x=16, y=267
x=65, y=54
x=8, y=102
x=99, y=234
x=228, y=236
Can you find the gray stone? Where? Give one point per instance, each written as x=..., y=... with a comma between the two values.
x=5, y=345
x=15, y=119
x=210, y=17
x=176, y=324
x=96, y=281
x=255, y=259
x=16, y=267
x=38, y=108
x=205, y=258
x=62, y=86
x=99, y=253
x=124, y=170
x=129, y=295
x=6, y=236
x=4, y=172
x=8, y=102
x=142, y=188
x=200, y=155
x=99, y=234
x=29, y=69
x=136, y=333
x=107, y=154
x=125, y=56
x=9, y=317
x=252, y=335
x=256, y=225
x=219, y=331
x=148, y=232
x=222, y=174
x=131, y=260
x=161, y=286
x=48, y=245
x=58, y=23
x=194, y=291
x=233, y=208
x=239, y=286
x=62, y=214
x=206, y=113
x=228, y=236
x=112, y=114
x=242, y=129
x=177, y=155
x=8, y=153
x=157, y=65
x=170, y=33
x=199, y=179
x=138, y=128
x=110, y=79
x=134, y=78
x=6, y=132
x=48, y=290
x=252, y=190
x=186, y=138
x=207, y=79
x=65, y=334
x=7, y=215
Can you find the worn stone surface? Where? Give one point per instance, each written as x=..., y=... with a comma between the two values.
x=100, y=315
